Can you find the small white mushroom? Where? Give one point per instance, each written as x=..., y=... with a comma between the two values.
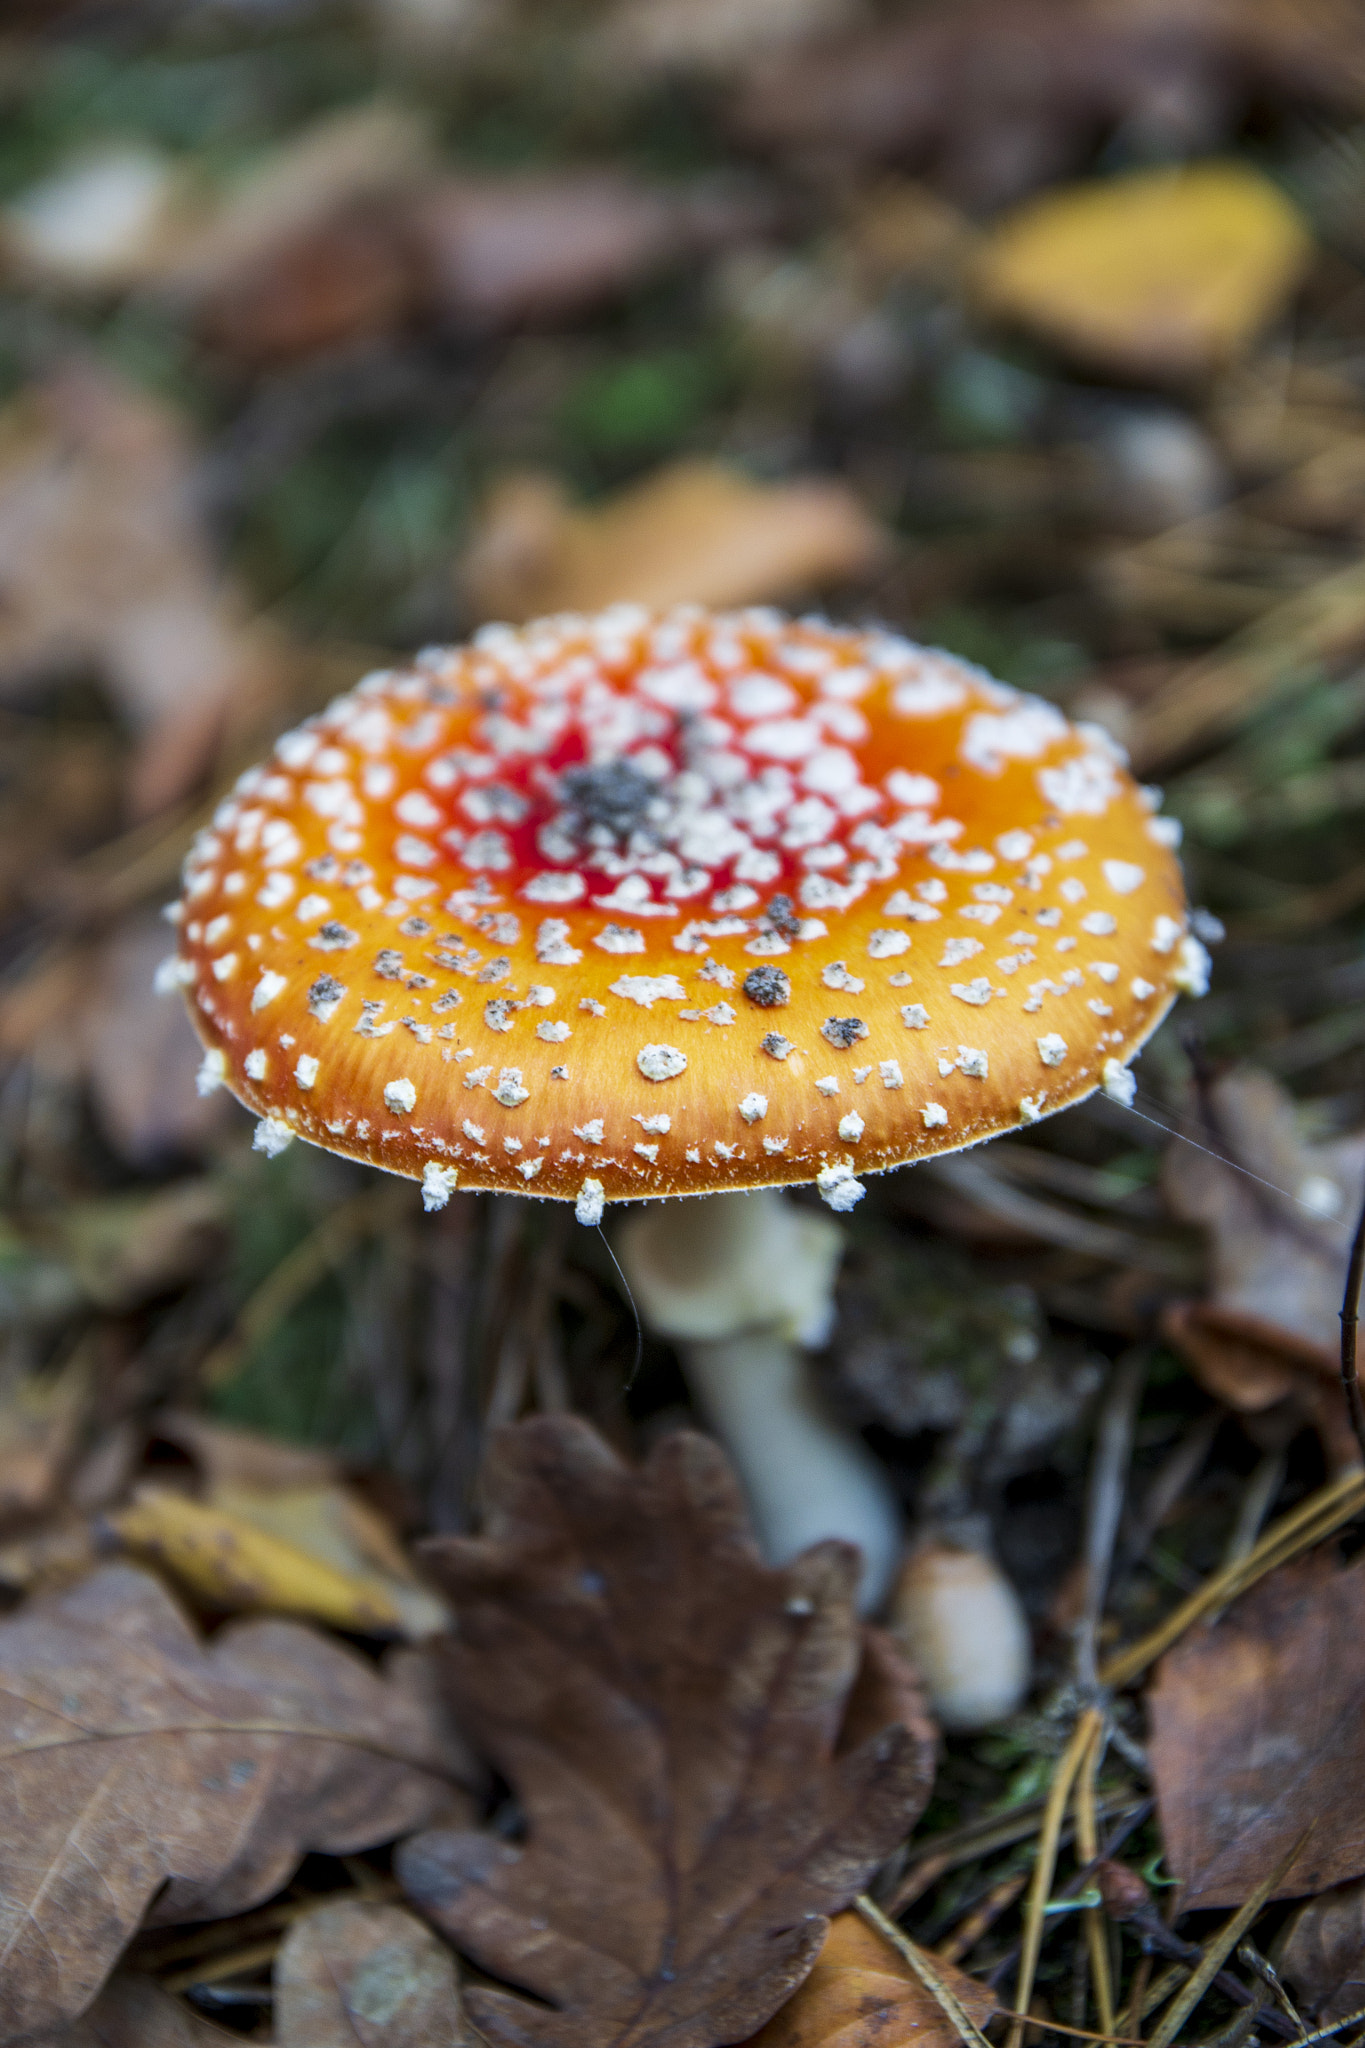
x=959, y=1621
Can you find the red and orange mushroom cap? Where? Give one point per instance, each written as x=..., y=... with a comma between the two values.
x=641, y=905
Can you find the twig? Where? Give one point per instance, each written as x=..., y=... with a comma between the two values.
x=1248, y=1953
x=1063, y=1778
x=924, y=1968
x=235, y=1963
x=1173, y=1475
x=1258, y=1497
x=1159, y=1939
x=1087, y=1844
x=969, y=1930
x=1218, y=1949
x=1108, y=1483
x=1349, y=2019
x=1133, y=1818
x=1082, y=2033
x=966, y=1844
x=1350, y=1330
x=1239, y=2029
x=1137, y=1993
x=1150, y=1995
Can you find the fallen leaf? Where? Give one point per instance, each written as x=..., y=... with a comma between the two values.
x=351, y=278
x=1269, y=1327
x=498, y=252
x=227, y=1456
x=363, y=156
x=233, y=1560
x=140, y=1764
x=993, y=98
x=1258, y=1732
x=862, y=1994
x=141, y=1053
x=714, y=35
x=693, y=532
x=668, y=1710
x=271, y=1526
x=134, y=2012
x=1322, y=1953
x=334, y=1525
x=1155, y=273
x=103, y=560
x=108, y=218
x=367, y=1974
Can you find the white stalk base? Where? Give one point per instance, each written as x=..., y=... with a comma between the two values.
x=805, y=1477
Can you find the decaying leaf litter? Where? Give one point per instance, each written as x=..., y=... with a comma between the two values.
x=325, y=333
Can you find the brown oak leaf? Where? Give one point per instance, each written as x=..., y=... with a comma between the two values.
x=364, y=1975
x=1258, y=1733
x=671, y=1714
x=135, y=1760
x=134, y=2012
x=1322, y=1953
x=1269, y=1331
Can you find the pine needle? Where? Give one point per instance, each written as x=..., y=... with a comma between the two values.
x=1063, y=1778
x=925, y=1969
x=1311, y=1522
x=1218, y=1949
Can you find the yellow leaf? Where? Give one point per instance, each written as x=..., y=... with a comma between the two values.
x=333, y=1525
x=1161, y=273
x=862, y=1995
x=694, y=532
x=231, y=1563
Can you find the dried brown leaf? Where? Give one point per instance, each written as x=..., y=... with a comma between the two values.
x=694, y=532
x=366, y=1974
x=363, y=156
x=103, y=560
x=1269, y=1327
x=500, y=251
x=1322, y=1952
x=669, y=1710
x=993, y=98
x=861, y=1994
x=137, y=1758
x=1258, y=1733
x=349, y=279
x=134, y=2012
x=716, y=35
x=227, y=1456
x=142, y=1055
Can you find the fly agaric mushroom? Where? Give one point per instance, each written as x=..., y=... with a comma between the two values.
x=640, y=905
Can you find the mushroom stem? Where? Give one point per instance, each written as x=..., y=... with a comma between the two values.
x=805, y=1477
x=740, y=1283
